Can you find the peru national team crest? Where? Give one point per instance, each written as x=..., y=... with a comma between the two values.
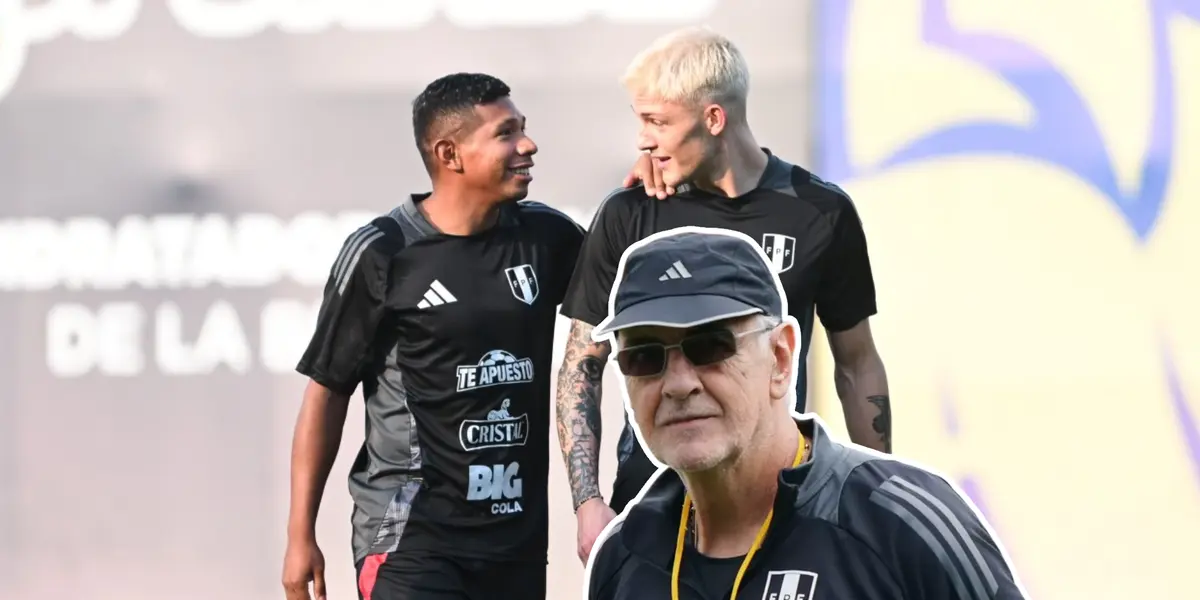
x=522, y=280
x=790, y=585
x=781, y=249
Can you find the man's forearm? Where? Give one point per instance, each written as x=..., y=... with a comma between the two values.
x=577, y=409
x=863, y=390
x=314, y=449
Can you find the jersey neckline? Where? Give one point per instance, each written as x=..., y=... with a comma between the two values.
x=776, y=175
x=417, y=226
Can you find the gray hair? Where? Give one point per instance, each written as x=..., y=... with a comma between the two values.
x=769, y=321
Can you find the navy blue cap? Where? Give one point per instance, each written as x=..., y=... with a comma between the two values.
x=691, y=278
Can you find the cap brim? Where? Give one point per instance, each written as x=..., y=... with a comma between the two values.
x=675, y=311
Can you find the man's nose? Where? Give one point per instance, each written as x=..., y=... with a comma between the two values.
x=680, y=379
x=645, y=143
x=527, y=147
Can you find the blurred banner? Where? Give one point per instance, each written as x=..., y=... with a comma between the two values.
x=176, y=177
x=1029, y=176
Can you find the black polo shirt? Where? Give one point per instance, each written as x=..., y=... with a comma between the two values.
x=451, y=338
x=808, y=227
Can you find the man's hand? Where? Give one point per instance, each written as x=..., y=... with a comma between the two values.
x=593, y=516
x=303, y=563
x=314, y=448
x=646, y=171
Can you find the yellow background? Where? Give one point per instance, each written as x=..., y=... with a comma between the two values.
x=1012, y=290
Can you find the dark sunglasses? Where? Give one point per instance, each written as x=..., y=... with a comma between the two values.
x=704, y=348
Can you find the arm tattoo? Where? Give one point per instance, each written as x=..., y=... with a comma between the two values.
x=883, y=421
x=577, y=406
x=584, y=462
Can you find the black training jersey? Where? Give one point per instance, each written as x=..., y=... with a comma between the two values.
x=808, y=227
x=848, y=524
x=451, y=337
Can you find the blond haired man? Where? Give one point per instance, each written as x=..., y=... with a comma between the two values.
x=689, y=90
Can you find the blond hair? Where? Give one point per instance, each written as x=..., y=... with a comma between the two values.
x=694, y=65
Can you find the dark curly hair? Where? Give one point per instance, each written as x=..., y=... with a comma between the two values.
x=447, y=103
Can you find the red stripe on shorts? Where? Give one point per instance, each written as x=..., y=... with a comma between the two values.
x=370, y=571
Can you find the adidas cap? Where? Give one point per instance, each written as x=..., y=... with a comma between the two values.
x=691, y=276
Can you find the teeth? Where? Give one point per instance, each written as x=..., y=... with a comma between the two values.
x=522, y=171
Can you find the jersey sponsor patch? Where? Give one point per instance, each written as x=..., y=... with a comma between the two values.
x=496, y=367
x=500, y=430
x=500, y=484
x=790, y=585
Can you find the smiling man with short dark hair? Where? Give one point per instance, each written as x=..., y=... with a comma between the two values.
x=444, y=311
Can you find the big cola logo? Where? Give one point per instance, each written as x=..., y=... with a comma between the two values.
x=22, y=24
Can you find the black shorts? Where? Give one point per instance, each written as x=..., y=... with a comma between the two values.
x=632, y=475
x=404, y=576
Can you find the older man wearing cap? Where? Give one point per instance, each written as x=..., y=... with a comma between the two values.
x=758, y=501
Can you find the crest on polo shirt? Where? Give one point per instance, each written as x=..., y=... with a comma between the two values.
x=790, y=585
x=781, y=249
x=522, y=280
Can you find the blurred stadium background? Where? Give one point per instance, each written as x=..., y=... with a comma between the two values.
x=1028, y=173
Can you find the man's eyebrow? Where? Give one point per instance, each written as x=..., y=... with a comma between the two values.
x=708, y=327
x=640, y=340
x=645, y=114
x=510, y=121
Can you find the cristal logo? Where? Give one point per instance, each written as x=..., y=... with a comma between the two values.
x=23, y=25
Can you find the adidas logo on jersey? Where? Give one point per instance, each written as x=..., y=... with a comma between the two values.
x=497, y=367
x=436, y=295
x=676, y=271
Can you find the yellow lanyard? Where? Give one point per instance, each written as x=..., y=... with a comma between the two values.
x=758, y=539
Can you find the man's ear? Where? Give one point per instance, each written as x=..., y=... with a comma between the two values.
x=783, y=350
x=446, y=153
x=715, y=119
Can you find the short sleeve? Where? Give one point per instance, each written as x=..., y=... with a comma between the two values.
x=564, y=236
x=846, y=292
x=570, y=247
x=935, y=542
x=352, y=309
x=569, y=242
x=596, y=268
